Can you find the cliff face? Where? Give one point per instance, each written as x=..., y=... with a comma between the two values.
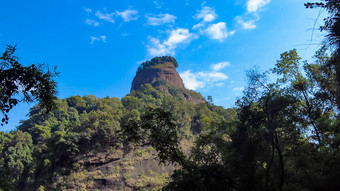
x=161, y=72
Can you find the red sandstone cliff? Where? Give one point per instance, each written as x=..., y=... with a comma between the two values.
x=163, y=69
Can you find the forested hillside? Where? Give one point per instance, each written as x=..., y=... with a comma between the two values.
x=49, y=149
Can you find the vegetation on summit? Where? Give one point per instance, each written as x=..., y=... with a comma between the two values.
x=155, y=61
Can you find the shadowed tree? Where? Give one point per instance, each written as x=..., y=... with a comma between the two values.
x=27, y=84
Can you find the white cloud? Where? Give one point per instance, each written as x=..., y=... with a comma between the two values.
x=238, y=89
x=231, y=33
x=199, y=80
x=105, y=16
x=219, y=66
x=88, y=10
x=160, y=19
x=157, y=3
x=217, y=31
x=103, y=38
x=254, y=5
x=178, y=36
x=198, y=25
x=128, y=15
x=247, y=25
x=157, y=48
x=190, y=80
x=207, y=14
x=202, y=79
x=99, y=38
x=92, y=22
x=212, y=76
x=168, y=46
x=93, y=39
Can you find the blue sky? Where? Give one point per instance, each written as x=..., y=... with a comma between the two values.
x=98, y=45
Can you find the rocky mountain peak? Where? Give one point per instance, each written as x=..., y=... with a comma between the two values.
x=160, y=72
x=157, y=69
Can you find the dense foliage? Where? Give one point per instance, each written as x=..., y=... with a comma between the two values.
x=155, y=61
x=24, y=84
x=286, y=136
x=80, y=125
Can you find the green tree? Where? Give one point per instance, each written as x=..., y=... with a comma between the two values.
x=332, y=22
x=16, y=160
x=33, y=83
x=278, y=121
x=327, y=74
x=210, y=99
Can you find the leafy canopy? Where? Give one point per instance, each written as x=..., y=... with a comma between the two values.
x=24, y=84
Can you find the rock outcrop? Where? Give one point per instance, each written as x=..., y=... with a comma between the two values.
x=158, y=69
x=160, y=72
